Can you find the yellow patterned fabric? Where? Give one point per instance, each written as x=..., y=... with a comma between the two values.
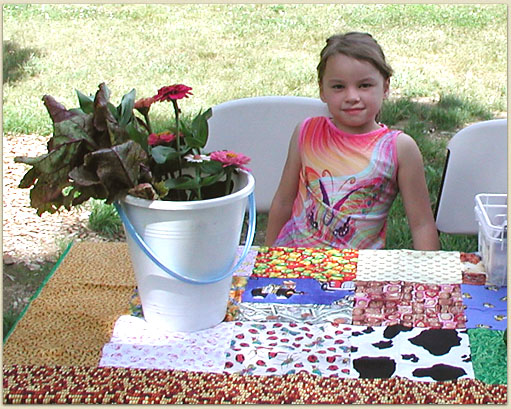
x=74, y=315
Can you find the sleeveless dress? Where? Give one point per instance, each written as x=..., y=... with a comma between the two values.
x=346, y=188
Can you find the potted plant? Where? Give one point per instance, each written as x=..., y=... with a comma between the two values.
x=182, y=208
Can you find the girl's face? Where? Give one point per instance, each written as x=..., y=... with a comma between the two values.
x=354, y=91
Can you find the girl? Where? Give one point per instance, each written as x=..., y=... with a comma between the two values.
x=343, y=172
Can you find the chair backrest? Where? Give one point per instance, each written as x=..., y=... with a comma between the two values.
x=476, y=163
x=261, y=128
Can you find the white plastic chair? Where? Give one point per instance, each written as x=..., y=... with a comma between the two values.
x=261, y=128
x=476, y=163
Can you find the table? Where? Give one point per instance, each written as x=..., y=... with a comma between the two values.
x=52, y=355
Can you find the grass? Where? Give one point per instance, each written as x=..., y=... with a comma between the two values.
x=18, y=282
x=104, y=219
x=449, y=62
x=228, y=51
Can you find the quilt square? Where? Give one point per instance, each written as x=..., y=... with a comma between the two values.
x=322, y=264
x=409, y=304
x=473, y=270
x=233, y=304
x=437, y=267
x=137, y=344
x=290, y=291
x=245, y=269
x=486, y=306
x=337, y=313
x=489, y=355
x=418, y=354
x=288, y=348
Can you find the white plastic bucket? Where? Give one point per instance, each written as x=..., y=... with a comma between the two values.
x=197, y=241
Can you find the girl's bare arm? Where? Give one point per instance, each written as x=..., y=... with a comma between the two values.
x=414, y=191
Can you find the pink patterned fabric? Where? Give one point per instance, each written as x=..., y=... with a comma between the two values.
x=409, y=304
x=347, y=185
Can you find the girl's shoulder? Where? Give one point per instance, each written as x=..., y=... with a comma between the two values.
x=315, y=120
x=406, y=147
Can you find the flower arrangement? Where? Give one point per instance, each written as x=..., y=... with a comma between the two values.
x=105, y=152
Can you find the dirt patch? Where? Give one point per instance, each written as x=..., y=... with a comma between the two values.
x=32, y=244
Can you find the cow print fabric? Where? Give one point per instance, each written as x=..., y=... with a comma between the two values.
x=359, y=314
x=421, y=354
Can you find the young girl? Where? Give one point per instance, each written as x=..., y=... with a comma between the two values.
x=343, y=172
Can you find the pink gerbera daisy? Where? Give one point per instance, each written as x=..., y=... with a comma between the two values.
x=230, y=158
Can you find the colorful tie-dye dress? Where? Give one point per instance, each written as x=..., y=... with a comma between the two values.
x=347, y=186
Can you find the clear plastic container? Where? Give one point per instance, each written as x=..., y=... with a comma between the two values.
x=491, y=215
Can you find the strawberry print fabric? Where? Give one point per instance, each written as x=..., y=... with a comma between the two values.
x=433, y=267
x=418, y=354
x=136, y=344
x=280, y=348
x=320, y=264
x=410, y=304
x=486, y=306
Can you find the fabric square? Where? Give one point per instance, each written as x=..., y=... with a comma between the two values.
x=237, y=288
x=280, y=348
x=245, y=269
x=415, y=353
x=486, y=306
x=290, y=291
x=409, y=304
x=436, y=267
x=472, y=268
x=137, y=344
x=337, y=313
x=322, y=264
x=378, y=265
x=489, y=355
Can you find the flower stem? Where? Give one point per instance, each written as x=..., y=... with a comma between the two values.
x=228, y=182
x=148, y=123
x=178, y=136
x=197, y=179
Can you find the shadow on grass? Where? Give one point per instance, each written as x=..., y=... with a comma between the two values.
x=15, y=60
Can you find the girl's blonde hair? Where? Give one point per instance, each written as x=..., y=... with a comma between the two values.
x=361, y=46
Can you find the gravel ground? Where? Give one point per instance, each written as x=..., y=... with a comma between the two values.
x=27, y=237
x=31, y=244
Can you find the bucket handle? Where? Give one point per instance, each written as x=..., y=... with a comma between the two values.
x=154, y=258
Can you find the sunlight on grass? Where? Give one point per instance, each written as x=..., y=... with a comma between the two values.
x=449, y=62
x=238, y=50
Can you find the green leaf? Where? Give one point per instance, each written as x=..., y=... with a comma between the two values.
x=211, y=167
x=138, y=135
x=162, y=154
x=199, y=130
x=183, y=182
x=209, y=180
x=86, y=102
x=126, y=108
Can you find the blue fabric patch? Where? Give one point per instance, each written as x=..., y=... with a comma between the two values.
x=290, y=291
x=486, y=306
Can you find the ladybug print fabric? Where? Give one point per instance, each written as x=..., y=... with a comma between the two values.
x=287, y=348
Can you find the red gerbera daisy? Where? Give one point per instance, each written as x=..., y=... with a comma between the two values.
x=173, y=92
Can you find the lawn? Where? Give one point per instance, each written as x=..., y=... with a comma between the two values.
x=449, y=62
